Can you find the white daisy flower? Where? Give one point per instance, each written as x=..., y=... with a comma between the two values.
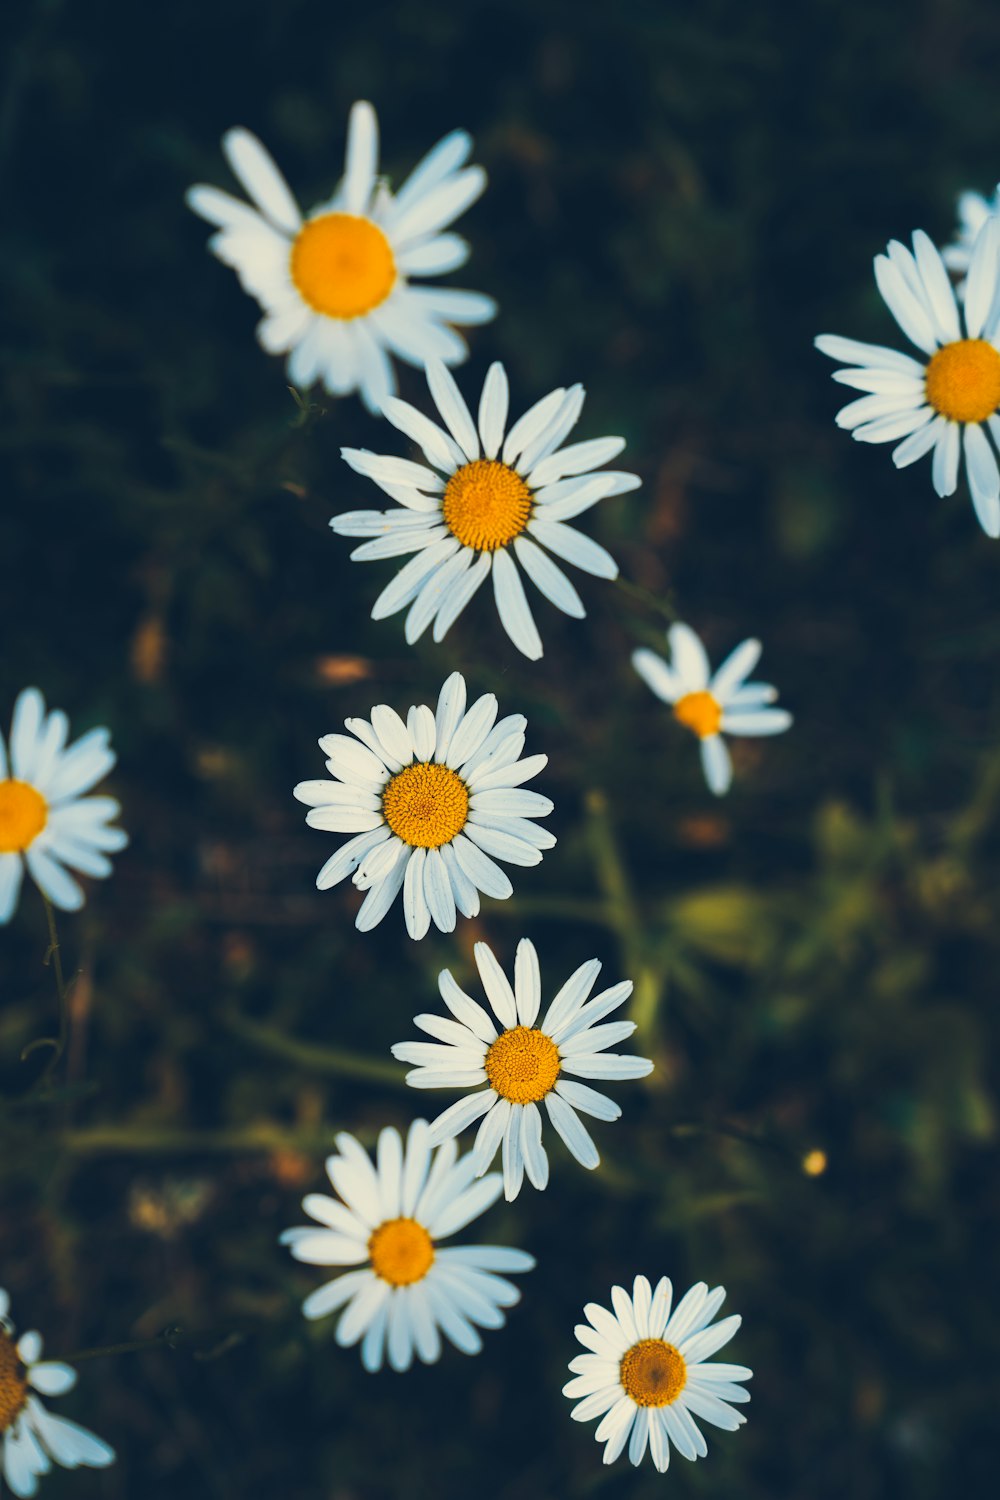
x=335, y=287
x=488, y=499
x=645, y=1373
x=433, y=803
x=945, y=402
x=45, y=821
x=712, y=706
x=407, y=1290
x=31, y=1438
x=973, y=211
x=522, y=1063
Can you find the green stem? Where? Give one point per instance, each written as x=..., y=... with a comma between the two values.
x=338, y=1061
x=132, y=1140
x=623, y=913
x=664, y=607
x=58, y=1044
x=172, y=1337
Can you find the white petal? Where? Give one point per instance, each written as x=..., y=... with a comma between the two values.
x=984, y=479
x=496, y=985
x=918, y=443
x=578, y=458
x=527, y=982
x=573, y=547
x=716, y=764
x=513, y=608
x=415, y=909
x=493, y=405
x=11, y=874
x=260, y=177
x=458, y=1116
x=451, y=405
x=944, y=471
x=438, y=892
x=531, y=424
x=904, y=305
x=981, y=285
x=736, y=667
x=658, y=675
x=459, y=594
x=548, y=578
x=536, y=1163
x=361, y=158
x=937, y=287
x=472, y=730
x=856, y=353
x=589, y=1100
x=439, y=447
x=573, y=1132
x=450, y=708
x=381, y=896
x=465, y=1009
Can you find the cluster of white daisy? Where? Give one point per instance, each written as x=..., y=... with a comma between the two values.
x=435, y=802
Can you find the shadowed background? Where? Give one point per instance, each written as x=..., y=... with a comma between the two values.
x=679, y=199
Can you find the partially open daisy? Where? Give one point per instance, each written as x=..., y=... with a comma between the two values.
x=335, y=287
x=433, y=803
x=31, y=1438
x=489, y=500
x=946, y=402
x=973, y=211
x=712, y=706
x=645, y=1374
x=408, y=1290
x=523, y=1062
x=45, y=821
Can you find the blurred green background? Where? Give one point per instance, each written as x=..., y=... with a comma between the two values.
x=680, y=198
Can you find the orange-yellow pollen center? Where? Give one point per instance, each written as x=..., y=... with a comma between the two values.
x=486, y=505
x=700, y=713
x=23, y=814
x=963, y=380
x=13, y=1382
x=522, y=1065
x=653, y=1373
x=402, y=1251
x=342, y=265
x=426, y=805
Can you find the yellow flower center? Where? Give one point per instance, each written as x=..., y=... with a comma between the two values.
x=23, y=814
x=426, y=805
x=486, y=505
x=699, y=712
x=522, y=1065
x=653, y=1373
x=963, y=380
x=13, y=1382
x=342, y=265
x=402, y=1251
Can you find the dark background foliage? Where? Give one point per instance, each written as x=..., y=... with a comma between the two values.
x=680, y=198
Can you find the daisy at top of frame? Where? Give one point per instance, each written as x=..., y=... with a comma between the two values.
x=523, y=1062
x=401, y=1290
x=946, y=402
x=647, y=1374
x=712, y=705
x=433, y=803
x=493, y=497
x=335, y=286
x=973, y=211
x=45, y=821
x=31, y=1438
